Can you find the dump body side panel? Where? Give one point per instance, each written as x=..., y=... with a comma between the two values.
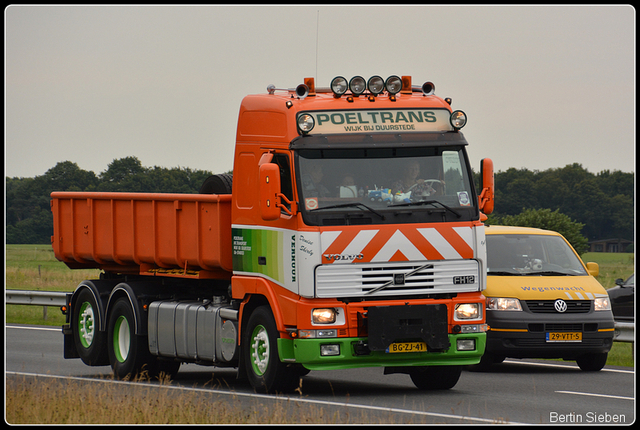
x=184, y=235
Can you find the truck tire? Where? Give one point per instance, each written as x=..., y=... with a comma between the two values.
x=90, y=342
x=435, y=377
x=128, y=353
x=265, y=371
x=592, y=362
x=217, y=184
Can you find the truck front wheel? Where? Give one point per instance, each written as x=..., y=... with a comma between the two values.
x=89, y=340
x=128, y=352
x=435, y=377
x=265, y=371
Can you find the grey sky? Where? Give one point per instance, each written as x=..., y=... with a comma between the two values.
x=542, y=86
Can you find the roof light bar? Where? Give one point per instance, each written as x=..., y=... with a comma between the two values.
x=339, y=86
x=393, y=84
x=357, y=85
x=375, y=85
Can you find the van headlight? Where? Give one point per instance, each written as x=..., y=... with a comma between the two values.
x=602, y=304
x=467, y=311
x=503, y=304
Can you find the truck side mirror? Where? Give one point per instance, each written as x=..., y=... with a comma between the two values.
x=269, y=190
x=485, y=200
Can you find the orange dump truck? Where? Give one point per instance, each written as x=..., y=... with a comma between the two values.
x=350, y=235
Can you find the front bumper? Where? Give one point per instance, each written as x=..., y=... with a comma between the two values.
x=353, y=353
x=521, y=334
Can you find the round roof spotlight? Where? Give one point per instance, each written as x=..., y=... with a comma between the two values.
x=375, y=85
x=302, y=91
x=393, y=84
x=306, y=123
x=339, y=86
x=428, y=88
x=357, y=85
x=458, y=119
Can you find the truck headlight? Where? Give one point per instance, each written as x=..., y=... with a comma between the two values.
x=467, y=311
x=602, y=304
x=458, y=119
x=306, y=123
x=323, y=316
x=503, y=304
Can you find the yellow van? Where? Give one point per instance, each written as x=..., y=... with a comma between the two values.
x=542, y=301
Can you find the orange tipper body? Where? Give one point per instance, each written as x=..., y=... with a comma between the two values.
x=351, y=236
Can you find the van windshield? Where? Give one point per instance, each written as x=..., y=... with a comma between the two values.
x=531, y=254
x=346, y=186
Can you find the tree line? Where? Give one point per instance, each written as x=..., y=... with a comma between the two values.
x=601, y=204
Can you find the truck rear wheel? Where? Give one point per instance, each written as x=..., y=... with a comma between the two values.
x=128, y=352
x=435, y=377
x=90, y=342
x=265, y=371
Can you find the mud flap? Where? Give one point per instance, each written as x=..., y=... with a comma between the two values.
x=70, y=350
x=389, y=324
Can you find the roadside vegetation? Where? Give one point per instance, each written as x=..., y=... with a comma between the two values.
x=63, y=401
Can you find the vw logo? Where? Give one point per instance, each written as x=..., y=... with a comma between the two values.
x=560, y=305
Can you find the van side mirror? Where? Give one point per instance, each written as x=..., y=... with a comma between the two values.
x=485, y=199
x=269, y=189
x=593, y=269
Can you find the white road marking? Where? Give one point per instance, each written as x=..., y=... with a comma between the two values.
x=608, y=396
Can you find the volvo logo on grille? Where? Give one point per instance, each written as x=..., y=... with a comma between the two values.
x=398, y=279
x=560, y=305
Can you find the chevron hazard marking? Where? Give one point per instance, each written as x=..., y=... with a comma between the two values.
x=398, y=242
x=408, y=244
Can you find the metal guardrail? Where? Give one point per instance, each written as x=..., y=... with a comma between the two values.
x=38, y=298
x=624, y=331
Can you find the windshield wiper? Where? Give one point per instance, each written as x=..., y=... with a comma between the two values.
x=551, y=273
x=351, y=205
x=428, y=202
x=503, y=273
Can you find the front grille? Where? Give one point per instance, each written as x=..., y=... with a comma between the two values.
x=398, y=278
x=547, y=306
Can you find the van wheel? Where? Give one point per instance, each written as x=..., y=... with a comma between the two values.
x=90, y=342
x=217, y=184
x=128, y=352
x=265, y=371
x=435, y=377
x=592, y=362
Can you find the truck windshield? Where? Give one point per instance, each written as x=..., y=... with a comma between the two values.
x=384, y=185
x=534, y=254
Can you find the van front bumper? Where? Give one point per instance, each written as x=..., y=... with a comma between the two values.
x=520, y=334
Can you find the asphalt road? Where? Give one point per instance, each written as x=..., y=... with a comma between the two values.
x=517, y=391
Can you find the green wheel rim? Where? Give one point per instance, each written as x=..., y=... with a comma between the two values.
x=86, y=324
x=121, y=339
x=259, y=350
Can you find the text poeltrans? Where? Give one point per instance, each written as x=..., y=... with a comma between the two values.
x=388, y=120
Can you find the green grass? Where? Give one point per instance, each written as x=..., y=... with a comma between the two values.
x=612, y=266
